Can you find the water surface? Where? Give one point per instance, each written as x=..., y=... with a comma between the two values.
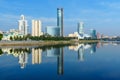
x=95, y=61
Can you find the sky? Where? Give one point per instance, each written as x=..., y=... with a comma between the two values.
x=102, y=15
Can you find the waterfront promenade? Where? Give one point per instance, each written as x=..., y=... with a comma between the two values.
x=42, y=43
x=32, y=43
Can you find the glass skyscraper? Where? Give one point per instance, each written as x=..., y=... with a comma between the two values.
x=60, y=20
x=80, y=28
x=93, y=34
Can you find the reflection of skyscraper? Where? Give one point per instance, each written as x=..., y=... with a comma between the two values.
x=57, y=52
x=93, y=47
x=81, y=54
x=23, y=25
x=60, y=62
x=36, y=56
x=23, y=59
x=53, y=52
x=60, y=20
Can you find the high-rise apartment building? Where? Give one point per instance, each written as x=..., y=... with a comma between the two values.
x=60, y=20
x=23, y=26
x=36, y=28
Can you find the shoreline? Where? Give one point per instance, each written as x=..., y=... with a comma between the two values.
x=42, y=43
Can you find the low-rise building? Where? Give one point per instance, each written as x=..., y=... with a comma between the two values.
x=11, y=34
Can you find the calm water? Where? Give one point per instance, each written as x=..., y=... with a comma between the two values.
x=99, y=61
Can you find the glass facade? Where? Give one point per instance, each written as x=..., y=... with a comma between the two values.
x=60, y=20
x=80, y=28
x=53, y=31
x=93, y=34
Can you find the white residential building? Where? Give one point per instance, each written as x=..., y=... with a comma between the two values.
x=36, y=28
x=23, y=26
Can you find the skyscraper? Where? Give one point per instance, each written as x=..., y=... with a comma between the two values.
x=93, y=34
x=36, y=28
x=80, y=28
x=60, y=20
x=23, y=25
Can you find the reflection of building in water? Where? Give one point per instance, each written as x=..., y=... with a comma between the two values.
x=78, y=46
x=21, y=53
x=15, y=51
x=36, y=56
x=81, y=53
x=53, y=52
x=81, y=47
x=57, y=52
x=60, y=62
x=93, y=48
x=23, y=59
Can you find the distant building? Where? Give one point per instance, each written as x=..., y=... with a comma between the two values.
x=11, y=34
x=53, y=31
x=98, y=36
x=79, y=36
x=75, y=34
x=81, y=28
x=23, y=26
x=36, y=28
x=80, y=32
x=93, y=34
x=60, y=20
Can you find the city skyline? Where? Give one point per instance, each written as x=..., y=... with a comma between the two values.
x=101, y=15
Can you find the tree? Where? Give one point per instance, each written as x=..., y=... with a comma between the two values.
x=1, y=52
x=11, y=38
x=1, y=36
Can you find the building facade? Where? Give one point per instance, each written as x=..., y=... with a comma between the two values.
x=53, y=31
x=23, y=26
x=36, y=28
x=11, y=35
x=60, y=20
x=93, y=34
x=81, y=28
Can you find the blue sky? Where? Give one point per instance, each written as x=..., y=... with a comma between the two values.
x=102, y=15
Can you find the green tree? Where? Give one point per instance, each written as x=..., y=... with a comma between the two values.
x=1, y=36
x=11, y=38
x=1, y=52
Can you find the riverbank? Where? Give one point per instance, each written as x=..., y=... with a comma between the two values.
x=42, y=43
